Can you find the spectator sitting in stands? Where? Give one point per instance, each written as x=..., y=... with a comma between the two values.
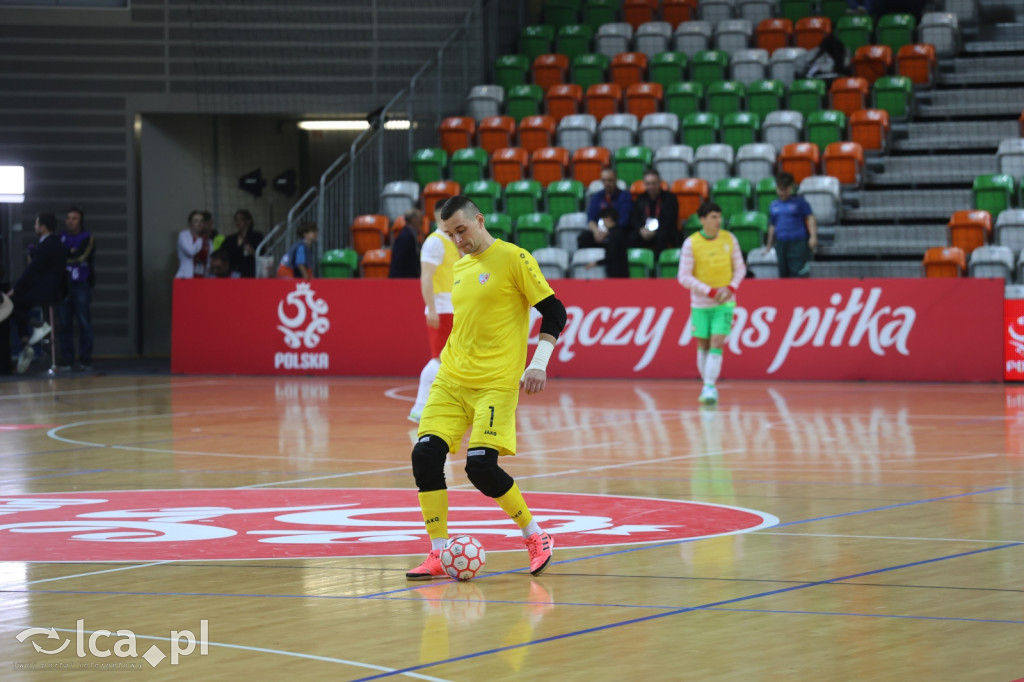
x=654, y=223
x=298, y=262
x=220, y=265
x=241, y=246
x=612, y=241
x=405, y=250
x=194, y=247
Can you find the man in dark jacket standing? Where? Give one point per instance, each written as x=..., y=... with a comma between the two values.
x=42, y=283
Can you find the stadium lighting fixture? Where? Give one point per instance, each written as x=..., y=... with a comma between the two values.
x=12, y=184
x=352, y=126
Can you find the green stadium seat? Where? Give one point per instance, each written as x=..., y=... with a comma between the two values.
x=825, y=127
x=740, y=128
x=764, y=97
x=523, y=101
x=499, y=225
x=534, y=231
x=535, y=41
x=834, y=9
x=733, y=195
x=486, y=194
x=667, y=68
x=511, y=70
x=700, y=129
x=339, y=264
x=641, y=263
x=993, y=193
x=668, y=264
x=764, y=195
x=631, y=162
x=522, y=197
x=597, y=12
x=796, y=9
x=683, y=99
x=896, y=30
x=895, y=94
x=428, y=165
x=855, y=31
x=468, y=165
x=725, y=97
x=750, y=229
x=589, y=69
x=806, y=95
x=710, y=66
x=565, y=196
x=574, y=40
x=561, y=13
x=691, y=225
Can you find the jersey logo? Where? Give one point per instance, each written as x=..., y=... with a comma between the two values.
x=484, y=276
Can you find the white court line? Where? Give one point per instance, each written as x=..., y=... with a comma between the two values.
x=886, y=537
x=83, y=575
x=77, y=414
x=393, y=393
x=112, y=389
x=404, y=467
x=262, y=650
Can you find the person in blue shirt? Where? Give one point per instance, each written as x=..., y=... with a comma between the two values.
x=792, y=229
x=610, y=237
x=300, y=257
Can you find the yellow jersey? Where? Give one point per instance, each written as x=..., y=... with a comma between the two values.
x=492, y=295
x=440, y=251
x=712, y=258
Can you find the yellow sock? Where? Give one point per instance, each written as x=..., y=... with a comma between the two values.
x=435, y=513
x=515, y=506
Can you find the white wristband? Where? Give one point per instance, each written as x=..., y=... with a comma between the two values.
x=542, y=355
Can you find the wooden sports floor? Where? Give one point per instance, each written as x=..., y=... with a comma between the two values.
x=800, y=531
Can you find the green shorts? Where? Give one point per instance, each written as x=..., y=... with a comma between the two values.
x=713, y=321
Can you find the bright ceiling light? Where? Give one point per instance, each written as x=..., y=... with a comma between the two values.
x=356, y=126
x=12, y=184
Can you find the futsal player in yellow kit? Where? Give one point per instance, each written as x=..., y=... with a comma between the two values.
x=477, y=385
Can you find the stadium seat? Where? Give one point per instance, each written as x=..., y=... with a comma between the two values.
x=652, y=37
x=709, y=66
x=658, y=130
x=339, y=264
x=684, y=98
x=725, y=97
x=783, y=63
x=896, y=30
x=428, y=165
x=589, y=69
x=588, y=162
x=1010, y=156
x=576, y=131
x=732, y=35
x=673, y=162
x=1009, y=230
x=603, y=99
x=917, y=62
x=643, y=99
x=511, y=70
x=369, y=232
x=523, y=196
x=755, y=11
x=553, y=262
x=598, y=12
x=765, y=96
x=755, y=161
x=641, y=263
x=733, y=195
x=486, y=194
x=944, y=261
x=497, y=132
x=823, y=194
x=468, y=165
x=536, y=132
x=763, y=263
x=970, y=229
x=564, y=196
x=845, y=162
x=588, y=264
x=799, y=160
x=713, y=162
x=855, y=31
x=668, y=264
x=834, y=9
x=564, y=100
x=613, y=39
x=561, y=13
x=748, y=66
x=616, y=131
x=376, y=264
x=993, y=193
x=568, y=229
x=574, y=40
x=941, y=29
x=700, y=129
x=872, y=62
x=499, y=226
x=740, y=128
x=716, y=11
x=457, y=132
x=690, y=193
x=638, y=12
x=438, y=192
x=628, y=68
x=398, y=197
x=534, y=231
x=806, y=95
x=796, y=9
x=524, y=100
x=535, y=41
x=667, y=68
x=765, y=193
x=992, y=261
x=750, y=229
x=631, y=162
x=825, y=127
x=422, y=230
x=550, y=69
x=848, y=95
x=692, y=37
x=549, y=164
x=781, y=128
x=484, y=100
x=690, y=225
x=870, y=129
x=773, y=34
x=895, y=94
x=676, y=12
x=508, y=165
x=810, y=31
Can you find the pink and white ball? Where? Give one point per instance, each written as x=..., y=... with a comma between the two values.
x=463, y=557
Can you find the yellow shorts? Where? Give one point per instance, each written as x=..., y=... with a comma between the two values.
x=452, y=409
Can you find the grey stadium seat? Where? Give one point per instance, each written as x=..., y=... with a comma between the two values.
x=588, y=264
x=713, y=162
x=673, y=162
x=611, y=39
x=942, y=30
x=484, y=100
x=747, y=66
x=652, y=37
x=1010, y=228
x=658, y=130
x=616, y=131
x=716, y=10
x=692, y=37
x=763, y=263
x=991, y=261
x=553, y=262
x=756, y=10
x=755, y=161
x=577, y=131
x=782, y=127
x=568, y=230
x=398, y=197
x=1011, y=157
x=733, y=35
x=822, y=193
x=783, y=63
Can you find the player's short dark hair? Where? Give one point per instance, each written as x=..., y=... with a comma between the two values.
x=708, y=207
x=305, y=228
x=81, y=215
x=47, y=220
x=609, y=212
x=784, y=180
x=459, y=203
x=413, y=217
x=650, y=170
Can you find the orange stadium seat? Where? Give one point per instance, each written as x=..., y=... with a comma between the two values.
x=845, y=161
x=439, y=191
x=810, y=31
x=603, y=99
x=799, y=159
x=536, y=132
x=628, y=68
x=636, y=12
x=970, y=229
x=944, y=261
x=1021, y=122
x=457, y=132
x=871, y=62
x=508, y=165
x=676, y=12
x=774, y=33
x=369, y=232
x=848, y=94
x=690, y=193
x=870, y=128
x=549, y=164
x=916, y=62
x=643, y=99
x=497, y=132
x=564, y=100
x=588, y=162
x=550, y=69
x=376, y=264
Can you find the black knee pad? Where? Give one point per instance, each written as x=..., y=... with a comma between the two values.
x=428, y=456
x=484, y=473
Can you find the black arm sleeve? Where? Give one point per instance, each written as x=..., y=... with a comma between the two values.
x=554, y=316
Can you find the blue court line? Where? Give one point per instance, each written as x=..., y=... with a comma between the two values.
x=873, y=615
x=688, y=609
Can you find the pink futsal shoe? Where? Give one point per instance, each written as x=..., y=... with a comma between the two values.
x=430, y=568
x=540, y=546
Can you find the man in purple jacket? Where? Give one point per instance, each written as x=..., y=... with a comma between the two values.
x=81, y=247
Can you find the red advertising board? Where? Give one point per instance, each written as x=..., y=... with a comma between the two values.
x=1013, y=334
x=886, y=329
